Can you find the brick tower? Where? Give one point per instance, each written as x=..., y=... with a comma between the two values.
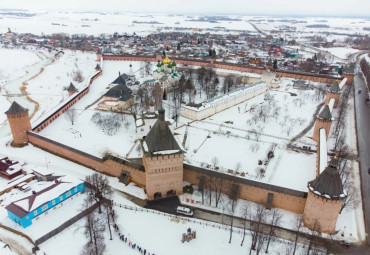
x=19, y=122
x=71, y=89
x=163, y=161
x=333, y=92
x=324, y=200
x=98, y=55
x=323, y=120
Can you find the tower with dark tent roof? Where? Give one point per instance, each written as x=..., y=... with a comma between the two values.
x=19, y=122
x=333, y=92
x=71, y=89
x=323, y=120
x=325, y=199
x=163, y=161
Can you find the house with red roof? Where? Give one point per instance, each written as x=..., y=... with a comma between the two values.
x=9, y=168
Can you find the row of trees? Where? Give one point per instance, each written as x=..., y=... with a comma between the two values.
x=365, y=68
x=98, y=191
x=259, y=222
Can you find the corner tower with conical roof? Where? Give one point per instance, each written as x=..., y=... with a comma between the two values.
x=163, y=161
x=323, y=120
x=19, y=122
x=325, y=199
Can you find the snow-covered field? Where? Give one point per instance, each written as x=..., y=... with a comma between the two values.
x=340, y=52
x=48, y=88
x=101, y=23
x=20, y=66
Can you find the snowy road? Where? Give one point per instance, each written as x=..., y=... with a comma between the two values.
x=363, y=126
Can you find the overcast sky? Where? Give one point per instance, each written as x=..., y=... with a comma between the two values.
x=254, y=7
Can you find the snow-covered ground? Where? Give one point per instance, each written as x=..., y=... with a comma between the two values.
x=20, y=66
x=101, y=23
x=48, y=88
x=340, y=52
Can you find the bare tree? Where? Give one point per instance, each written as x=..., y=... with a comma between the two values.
x=148, y=67
x=94, y=231
x=214, y=161
x=257, y=222
x=98, y=188
x=297, y=228
x=201, y=186
x=157, y=94
x=218, y=183
x=246, y=217
x=314, y=235
x=77, y=76
x=275, y=218
x=352, y=200
x=71, y=115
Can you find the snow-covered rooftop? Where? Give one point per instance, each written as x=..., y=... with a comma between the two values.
x=323, y=151
x=46, y=192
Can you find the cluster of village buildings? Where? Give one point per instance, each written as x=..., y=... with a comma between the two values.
x=241, y=48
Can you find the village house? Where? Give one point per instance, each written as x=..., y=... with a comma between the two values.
x=9, y=168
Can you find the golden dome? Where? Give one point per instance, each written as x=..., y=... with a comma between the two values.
x=166, y=61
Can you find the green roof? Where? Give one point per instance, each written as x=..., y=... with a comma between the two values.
x=169, y=65
x=173, y=63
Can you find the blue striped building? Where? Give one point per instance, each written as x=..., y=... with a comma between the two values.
x=36, y=203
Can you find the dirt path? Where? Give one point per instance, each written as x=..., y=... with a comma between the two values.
x=16, y=246
x=24, y=88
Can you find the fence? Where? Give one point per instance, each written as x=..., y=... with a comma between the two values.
x=280, y=232
x=190, y=220
x=69, y=222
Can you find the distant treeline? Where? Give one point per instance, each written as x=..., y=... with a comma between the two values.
x=318, y=26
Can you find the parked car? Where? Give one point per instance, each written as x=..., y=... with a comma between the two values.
x=368, y=100
x=359, y=91
x=184, y=211
x=368, y=170
x=345, y=243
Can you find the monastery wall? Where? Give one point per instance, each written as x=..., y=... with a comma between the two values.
x=258, y=192
x=68, y=104
x=234, y=67
x=108, y=165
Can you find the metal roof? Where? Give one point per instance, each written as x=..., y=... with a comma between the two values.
x=328, y=184
x=160, y=137
x=325, y=113
x=335, y=88
x=15, y=108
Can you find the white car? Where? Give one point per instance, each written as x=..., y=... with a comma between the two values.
x=184, y=211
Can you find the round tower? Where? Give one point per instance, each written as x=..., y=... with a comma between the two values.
x=323, y=120
x=324, y=200
x=19, y=122
x=163, y=161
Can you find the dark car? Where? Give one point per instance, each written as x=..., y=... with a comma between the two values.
x=368, y=170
